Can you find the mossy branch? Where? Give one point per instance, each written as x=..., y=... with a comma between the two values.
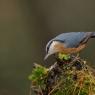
x=64, y=77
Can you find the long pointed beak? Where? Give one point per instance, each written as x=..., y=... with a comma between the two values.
x=46, y=56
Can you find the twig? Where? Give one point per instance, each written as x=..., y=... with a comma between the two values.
x=40, y=90
x=55, y=87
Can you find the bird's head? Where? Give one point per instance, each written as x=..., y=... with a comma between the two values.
x=53, y=47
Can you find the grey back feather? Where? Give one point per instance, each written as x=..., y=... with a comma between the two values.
x=71, y=39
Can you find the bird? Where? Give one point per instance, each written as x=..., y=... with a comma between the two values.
x=68, y=43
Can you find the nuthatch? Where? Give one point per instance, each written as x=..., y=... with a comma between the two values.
x=68, y=43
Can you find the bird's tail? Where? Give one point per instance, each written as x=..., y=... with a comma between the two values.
x=93, y=35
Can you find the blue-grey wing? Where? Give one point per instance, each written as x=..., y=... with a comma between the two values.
x=71, y=39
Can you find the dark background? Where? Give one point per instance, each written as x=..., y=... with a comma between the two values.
x=25, y=28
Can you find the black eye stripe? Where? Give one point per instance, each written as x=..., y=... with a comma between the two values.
x=47, y=49
x=48, y=45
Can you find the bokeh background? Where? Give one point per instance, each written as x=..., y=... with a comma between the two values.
x=25, y=28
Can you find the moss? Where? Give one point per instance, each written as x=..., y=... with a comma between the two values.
x=67, y=79
x=62, y=56
x=38, y=75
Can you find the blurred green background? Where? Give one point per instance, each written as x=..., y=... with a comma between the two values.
x=25, y=28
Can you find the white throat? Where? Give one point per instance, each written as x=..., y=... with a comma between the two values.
x=52, y=47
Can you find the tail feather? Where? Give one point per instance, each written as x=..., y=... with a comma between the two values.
x=93, y=35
